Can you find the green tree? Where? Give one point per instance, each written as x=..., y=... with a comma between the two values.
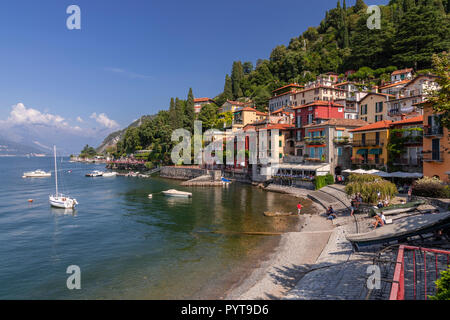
x=440, y=99
x=228, y=89
x=237, y=74
x=189, y=112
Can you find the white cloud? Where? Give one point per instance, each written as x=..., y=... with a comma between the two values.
x=79, y=119
x=21, y=115
x=104, y=120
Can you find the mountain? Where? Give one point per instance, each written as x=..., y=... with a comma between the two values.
x=8, y=147
x=114, y=137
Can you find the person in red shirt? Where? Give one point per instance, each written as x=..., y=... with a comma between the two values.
x=299, y=208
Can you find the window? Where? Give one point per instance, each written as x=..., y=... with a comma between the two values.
x=364, y=109
x=378, y=117
x=310, y=118
x=379, y=107
x=339, y=109
x=339, y=151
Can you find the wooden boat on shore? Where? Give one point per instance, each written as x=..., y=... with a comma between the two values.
x=396, y=208
x=278, y=214
x=176, y=193
x=401, y=229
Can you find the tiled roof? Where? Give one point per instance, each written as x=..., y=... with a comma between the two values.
x=417, y=119
x=289, y=85
x=384, y=124
x=395, y=84
x=202, y=99
x=402, y=71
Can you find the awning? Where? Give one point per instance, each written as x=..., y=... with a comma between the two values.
x=361, y=151
x=375, y=151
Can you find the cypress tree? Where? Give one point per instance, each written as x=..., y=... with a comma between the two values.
x=189, y=113
x=237, y=74
x=228, y=89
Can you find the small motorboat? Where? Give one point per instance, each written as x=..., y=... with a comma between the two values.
x=94, y=173
x=225, y=180
x=36, y=174
x=150, y=196
x=176, y=193
x=109, y=174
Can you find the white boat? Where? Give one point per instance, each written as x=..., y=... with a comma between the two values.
x=36, y=174
x=95, y=173
x=176, y=193
x=59, y=200
x=109, y=174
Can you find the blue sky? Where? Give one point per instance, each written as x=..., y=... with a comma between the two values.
x=131, y=56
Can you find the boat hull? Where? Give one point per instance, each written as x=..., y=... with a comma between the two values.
x=62, y=202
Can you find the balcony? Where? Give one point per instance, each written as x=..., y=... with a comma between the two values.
x=413, y=139
x=342, y=140
x=314, y=140
x=433, y=131
x=366, y=143
x=410, y=162
x=429, y=156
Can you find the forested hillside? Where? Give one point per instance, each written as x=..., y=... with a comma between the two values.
x=411, y=31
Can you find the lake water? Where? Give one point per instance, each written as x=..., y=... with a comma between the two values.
x=126, y=245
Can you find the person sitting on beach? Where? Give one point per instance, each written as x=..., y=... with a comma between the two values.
x=330, y=213
x=378, y=221
x=299, y=208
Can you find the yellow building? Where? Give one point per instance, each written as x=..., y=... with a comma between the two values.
x=436, y=146
x=246, y=116
x=369, y=144
x=373, y=107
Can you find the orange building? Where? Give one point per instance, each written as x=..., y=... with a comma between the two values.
x=436, y=146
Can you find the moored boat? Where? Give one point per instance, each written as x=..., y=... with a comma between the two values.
x=109, y=174
x=396, y=208
x=176, y=193
x=37, y=174
x=94, y=173
x=59, y=200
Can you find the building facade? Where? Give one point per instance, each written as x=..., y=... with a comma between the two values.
x=373, y=107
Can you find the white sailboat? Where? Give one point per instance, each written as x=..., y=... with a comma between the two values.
x=36, y=174
x=59, y=200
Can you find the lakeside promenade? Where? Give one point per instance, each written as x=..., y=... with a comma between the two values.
x=317, y=262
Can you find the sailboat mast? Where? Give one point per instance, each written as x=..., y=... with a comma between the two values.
x=56, y=174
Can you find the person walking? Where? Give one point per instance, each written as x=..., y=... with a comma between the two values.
x=299, y=208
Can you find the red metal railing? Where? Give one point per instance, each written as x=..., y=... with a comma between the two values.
x=398, y=283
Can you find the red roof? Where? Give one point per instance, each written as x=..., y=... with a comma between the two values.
x=402, y=71
x=202, y=99
x=395, y=84
x=418, y=119
x=289, y=85
x=384, y=124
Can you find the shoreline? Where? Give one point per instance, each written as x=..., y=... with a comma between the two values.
x=286, y=265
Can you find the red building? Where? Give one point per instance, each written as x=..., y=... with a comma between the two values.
x=315, y=112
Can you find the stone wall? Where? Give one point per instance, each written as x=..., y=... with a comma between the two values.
x=182, y=173
x=441, y=203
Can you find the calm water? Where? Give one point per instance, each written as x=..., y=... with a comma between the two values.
x=127, y=246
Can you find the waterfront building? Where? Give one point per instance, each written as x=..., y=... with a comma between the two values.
x=373, y=107
x=393, y=88
x=315, y=112
x=436, y=146
x=370, y=145
x=400, y=75
x=411, y=132
x=354, y=93
x=330, y=142
x=200, y=102
x=232, y=106
x=245, y=116
x=406, y=99
x=283, y=97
